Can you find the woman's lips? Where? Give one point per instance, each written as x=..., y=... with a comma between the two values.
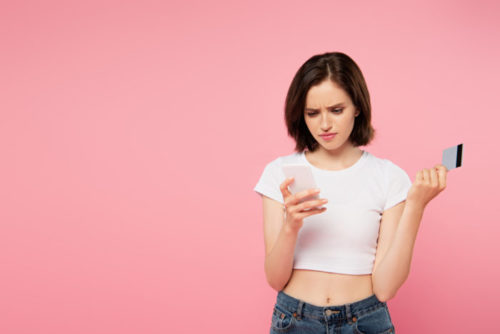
x=328, y=137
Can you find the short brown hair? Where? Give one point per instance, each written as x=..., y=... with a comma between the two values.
x=342, y=70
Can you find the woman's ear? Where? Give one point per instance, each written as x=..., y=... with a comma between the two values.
x=356, y=113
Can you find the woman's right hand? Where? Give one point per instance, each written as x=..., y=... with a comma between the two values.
x=295, y=211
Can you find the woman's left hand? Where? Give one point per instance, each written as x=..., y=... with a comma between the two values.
x=428, y=184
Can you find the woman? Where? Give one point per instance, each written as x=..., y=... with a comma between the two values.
x=335, y=267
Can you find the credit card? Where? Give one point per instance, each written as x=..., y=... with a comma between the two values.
x=452, y=156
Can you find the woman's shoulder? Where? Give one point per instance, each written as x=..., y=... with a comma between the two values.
x=385, y=167
x=382, y=161
x=388, y=166
x=294, y=157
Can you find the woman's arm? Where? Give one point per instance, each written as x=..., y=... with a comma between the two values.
x=282, y=224
x=392, y=268
x=280, y=244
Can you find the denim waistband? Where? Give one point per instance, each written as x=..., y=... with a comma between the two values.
x=348, y=312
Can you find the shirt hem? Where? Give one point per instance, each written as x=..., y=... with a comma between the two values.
x=267, y=192
x=335, y=269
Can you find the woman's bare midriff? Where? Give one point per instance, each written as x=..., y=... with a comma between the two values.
x=326, y=289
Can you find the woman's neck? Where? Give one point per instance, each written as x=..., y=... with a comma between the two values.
x=334, y=160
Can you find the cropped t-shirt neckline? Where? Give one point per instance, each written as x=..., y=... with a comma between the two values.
x=347, y=170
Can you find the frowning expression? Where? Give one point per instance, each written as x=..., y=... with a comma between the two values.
x=329, y=110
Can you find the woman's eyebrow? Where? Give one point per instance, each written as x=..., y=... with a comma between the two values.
x=330, y=107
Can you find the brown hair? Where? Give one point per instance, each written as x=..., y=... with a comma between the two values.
x=342, y=70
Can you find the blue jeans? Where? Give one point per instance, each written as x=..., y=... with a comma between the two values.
x=366, y=316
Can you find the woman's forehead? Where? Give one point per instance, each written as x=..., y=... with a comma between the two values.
x=325, y=95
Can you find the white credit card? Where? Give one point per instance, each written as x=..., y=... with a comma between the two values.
x=452, y=156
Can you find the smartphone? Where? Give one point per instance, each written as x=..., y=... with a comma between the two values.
x=303, y=179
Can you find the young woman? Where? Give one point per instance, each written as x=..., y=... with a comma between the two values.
x=334, y=268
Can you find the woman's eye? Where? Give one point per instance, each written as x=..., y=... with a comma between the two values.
x=335, y=111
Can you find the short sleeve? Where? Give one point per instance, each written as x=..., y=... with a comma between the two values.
x=270, y=180
x=397, y=186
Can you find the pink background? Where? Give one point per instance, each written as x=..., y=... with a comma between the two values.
x=133, y=133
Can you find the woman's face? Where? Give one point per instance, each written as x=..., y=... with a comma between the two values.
x=329, y=109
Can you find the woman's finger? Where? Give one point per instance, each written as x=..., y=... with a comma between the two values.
x=305, y=194
x=311, y=212
x=434, y=177
x=284, y=187
x=311, y=204
x=418, y=177
x=426, y=176
x=300, y=197
x=442, y=172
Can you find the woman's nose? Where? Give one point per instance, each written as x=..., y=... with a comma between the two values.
x=325, y=122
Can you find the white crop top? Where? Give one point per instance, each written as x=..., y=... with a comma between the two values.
x=342, y=239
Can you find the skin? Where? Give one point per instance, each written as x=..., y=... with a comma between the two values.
x=329, y=109
x=398, y=227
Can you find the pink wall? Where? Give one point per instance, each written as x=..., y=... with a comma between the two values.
x=132, y=134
